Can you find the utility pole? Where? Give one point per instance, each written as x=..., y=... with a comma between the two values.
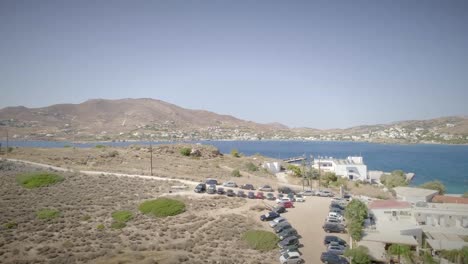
x=151, y=159
x=320, y=174
x=7, y=142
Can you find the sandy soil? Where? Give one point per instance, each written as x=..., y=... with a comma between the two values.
x=208, y=232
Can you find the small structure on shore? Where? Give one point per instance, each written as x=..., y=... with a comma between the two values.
x=352, y=168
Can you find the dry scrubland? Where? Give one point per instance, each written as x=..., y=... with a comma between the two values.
x=209, y=231
x=167, y=162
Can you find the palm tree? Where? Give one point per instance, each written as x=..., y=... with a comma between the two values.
x=400, y=250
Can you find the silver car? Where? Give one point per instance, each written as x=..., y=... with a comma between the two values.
x=336, y=249
x=230, y=184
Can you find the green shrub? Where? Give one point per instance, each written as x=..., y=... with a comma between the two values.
x=66, y=146
x=261, y=240
x=185, y=151
x=236, y=173
x=47, y=214
x=162, y=207
x=9, y=149
x=85, y=218
x=100, y=227
x=38, y=179
x=235, y=153
x=118, y=225
x=10, y=225
x=434, y=185
x=122, y=216
x=251, y=167
x=100, y=146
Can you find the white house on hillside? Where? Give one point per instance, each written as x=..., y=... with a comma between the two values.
x=352, y=168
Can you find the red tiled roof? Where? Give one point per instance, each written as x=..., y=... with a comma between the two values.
x=449, y=199
x=389, y=204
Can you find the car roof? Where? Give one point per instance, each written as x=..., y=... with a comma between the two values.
x=294, y=254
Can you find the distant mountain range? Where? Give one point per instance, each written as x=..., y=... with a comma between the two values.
x=150, y=119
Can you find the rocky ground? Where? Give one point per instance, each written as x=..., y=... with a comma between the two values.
x=208, y=232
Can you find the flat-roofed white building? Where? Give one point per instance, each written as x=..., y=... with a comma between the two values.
x=352, y=168
x=414, y=195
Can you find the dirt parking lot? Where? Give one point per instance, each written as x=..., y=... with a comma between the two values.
x=307, y=218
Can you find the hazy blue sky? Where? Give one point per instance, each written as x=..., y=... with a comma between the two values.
x=319, y=64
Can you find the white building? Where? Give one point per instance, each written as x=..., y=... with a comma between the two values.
x=414, y=195
x=352, y=168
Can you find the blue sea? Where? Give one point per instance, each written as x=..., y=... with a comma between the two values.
x=447, y=163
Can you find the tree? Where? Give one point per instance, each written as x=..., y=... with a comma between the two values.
x=358, y=255
x=355, y=230
x=434, y=185
x=295, y=169
x=329, y=177
x=235, y=153
x=236, y=173
x=394, y=179
x=400, y=250
x=356, y=210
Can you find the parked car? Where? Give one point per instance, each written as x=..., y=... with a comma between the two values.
x=347, y=197
x=240, y=194
x=211, y=189
x=308, y=193
x=251, y=195
x=333, y=228
x=299, y=198
x=279, y=225
x=336, y=249
x=334, y=220
x=331, y=258
x=287, y=204
x=325, y=193
x=269, y=216
x=282, y=199
x=279, y=209
x=285, y=190
x=259, y=195
x=336, y=215
x=230, y=193
x=336, y=210
x=281, y=228
x=329, y=239
x=332, y=205
x=266, y=188
x=220, y=190
x=287, y=233
x=211, y=182
x=230, y=184
x=291, y=258
x=286, y=249
x=276, y=221
x=270, y=196
x=280, y=195
x=291, y=197
x=201, y=187
x=288, y=242
x=248, y=187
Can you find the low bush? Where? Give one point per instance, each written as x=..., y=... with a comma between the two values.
x=162, y=207
x=236, y=173
x=261, y=240
x=100, y=146
x=10, y=225
x=251, y=167
x=235, y=153
x=47, y=214
x=122, y=216
x=38, y=179
x=185, y=151
x=118, y=225
x=100, y=227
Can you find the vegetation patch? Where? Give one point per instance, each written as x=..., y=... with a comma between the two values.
x=100, y=227
x=185, y=151
x=100, y=146
x=235, y=153
x=236, y=173
x=118, y=225
x=122, y=216
x=162, y=207
x=251, y=167
x=47, y=214
x=261, y=240
x=38, y=179
x=10, y=225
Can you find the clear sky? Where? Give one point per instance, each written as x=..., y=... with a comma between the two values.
x=321, y=64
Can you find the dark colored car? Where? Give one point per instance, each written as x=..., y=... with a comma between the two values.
x=281, y=228
x=289, y=242
x=211, y=189
x=251, y=195
x=331, y=258
x=240, y=194
x=230, y=193
x=335, y=205
x=220, y=190
x=333, y=228
x=347, y=197
x=328, y=239
x=248, y=187
x=279, y=209
x=269, y=216
x=285, y=190
x=270, y=196
x=291, y=197
x=259, y=195
x=211, y=182
x=287, y=233
x=201, y=187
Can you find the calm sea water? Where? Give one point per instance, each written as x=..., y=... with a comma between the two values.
x=447, y=163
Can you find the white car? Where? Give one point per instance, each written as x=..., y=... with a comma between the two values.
x=291, y=258
x=300, y=198
x=276, y=221
x=325, y=193
x=283, y=199
x=308, y=193
x=230, y=184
